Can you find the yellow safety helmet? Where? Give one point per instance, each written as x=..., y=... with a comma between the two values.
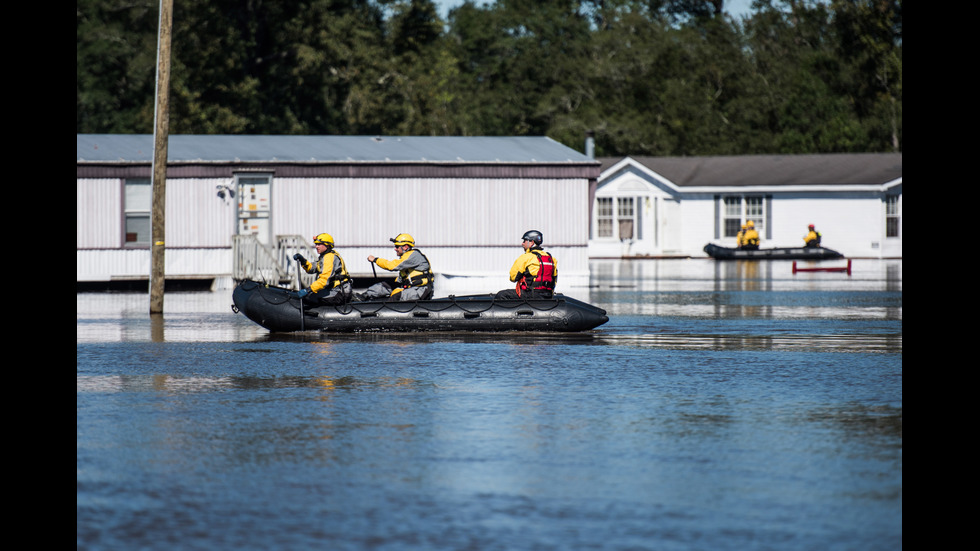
x=323, y=239
x=403, y=239
x=750, y=224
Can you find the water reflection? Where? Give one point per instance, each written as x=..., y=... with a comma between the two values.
x=863, y=343
x=189, y=384
x=723, y=407
x=692, y=288
x=746, y=289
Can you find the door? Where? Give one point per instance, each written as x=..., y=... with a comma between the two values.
x=254, y=206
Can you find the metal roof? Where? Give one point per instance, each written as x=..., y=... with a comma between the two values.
x=772, y=170
x=122, y=148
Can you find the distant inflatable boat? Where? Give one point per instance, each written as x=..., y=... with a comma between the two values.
x=785, y=253
x=274, y=308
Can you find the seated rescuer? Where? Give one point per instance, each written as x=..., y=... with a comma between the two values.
x=812, y=238
x=535, y=272
x=333, y=283
x=740, y=237
x=750, y=241
x=414, y=281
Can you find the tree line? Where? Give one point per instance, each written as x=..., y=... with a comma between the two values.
x=647, y=77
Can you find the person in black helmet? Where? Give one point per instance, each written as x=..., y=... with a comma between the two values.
x=535, y=273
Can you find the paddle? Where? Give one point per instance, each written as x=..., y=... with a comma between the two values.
x=299, y=284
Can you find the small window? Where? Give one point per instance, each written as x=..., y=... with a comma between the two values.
x=892, y=216
x=138, y=199
x=604, y=217
x=739, y=210
x=626, y=217
x=732, y=216
x=754, y=212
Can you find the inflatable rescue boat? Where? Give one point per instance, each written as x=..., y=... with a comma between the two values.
x=275, y=309
x=785, y=253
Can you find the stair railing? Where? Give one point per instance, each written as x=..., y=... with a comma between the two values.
x=273, y=265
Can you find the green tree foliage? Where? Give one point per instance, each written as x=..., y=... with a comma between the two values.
x=115, y=69
x=650, y=77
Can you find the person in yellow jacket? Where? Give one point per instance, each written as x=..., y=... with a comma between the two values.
x=750, y=241
x=812, y=238
x=333, y=283
x=740, y=237
x=535, y=273
x=414, y=281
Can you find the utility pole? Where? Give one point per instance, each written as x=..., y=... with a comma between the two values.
x=161, y=130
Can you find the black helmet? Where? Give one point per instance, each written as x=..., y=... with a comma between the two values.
x=533, y=235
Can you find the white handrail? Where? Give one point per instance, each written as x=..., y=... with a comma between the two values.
x=258, y=262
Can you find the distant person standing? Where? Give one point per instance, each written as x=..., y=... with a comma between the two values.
x=812, y=238
x=535, y=272
x=750, y=241
x=333, y=283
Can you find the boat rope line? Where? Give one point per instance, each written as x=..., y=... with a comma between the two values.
x=461, y=307
x=270, y=293
x=279, y=295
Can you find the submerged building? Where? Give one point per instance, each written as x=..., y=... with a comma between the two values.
x=674, y=206
x=240, y=206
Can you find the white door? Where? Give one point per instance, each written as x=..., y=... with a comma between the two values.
x=254, y=208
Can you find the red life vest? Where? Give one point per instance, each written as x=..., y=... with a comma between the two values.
x=546, y=278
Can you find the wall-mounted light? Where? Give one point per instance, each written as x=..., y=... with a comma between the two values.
x=225, y=191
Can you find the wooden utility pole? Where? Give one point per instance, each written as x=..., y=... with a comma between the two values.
x=161, y=130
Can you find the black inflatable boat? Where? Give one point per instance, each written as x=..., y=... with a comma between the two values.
x=274, y=308
x=786, y=253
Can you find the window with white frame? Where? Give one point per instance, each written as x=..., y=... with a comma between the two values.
x=892, y=216
x=739, y=210
x=138, y=198
x=754, y=212
x=626, y=215
x=732, y=217
x=604, y=217
x=616, y=218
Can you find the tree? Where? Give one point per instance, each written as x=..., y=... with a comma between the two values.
x=649, y=77
x=115, y=65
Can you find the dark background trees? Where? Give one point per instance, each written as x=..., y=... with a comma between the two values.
x=653, y=77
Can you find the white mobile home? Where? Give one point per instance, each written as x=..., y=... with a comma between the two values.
x=465, y=200
x=674, y=206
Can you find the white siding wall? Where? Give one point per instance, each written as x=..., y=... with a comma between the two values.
x=127, y=264
x=196, y=217
x=463, y=226
x=98, y=213
x=199, y=228
x=698, y=223
x=850, y=223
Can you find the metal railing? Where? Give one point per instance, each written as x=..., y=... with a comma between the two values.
x=271, y=264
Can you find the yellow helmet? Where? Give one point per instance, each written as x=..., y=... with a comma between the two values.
x=323, y=239
x=403, y=239
x=750, y=224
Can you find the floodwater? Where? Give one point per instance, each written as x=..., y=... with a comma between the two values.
x=725, y=406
